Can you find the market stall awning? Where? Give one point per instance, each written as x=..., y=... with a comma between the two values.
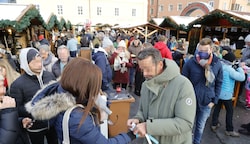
x=222, y=18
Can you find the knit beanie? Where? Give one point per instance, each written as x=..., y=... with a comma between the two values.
x=32, y=53
x=247, y=39
x=122, y=44
x=229, y=56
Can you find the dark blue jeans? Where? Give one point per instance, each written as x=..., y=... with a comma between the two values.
x=229, y=114
x=202, y=114
x=73, y=53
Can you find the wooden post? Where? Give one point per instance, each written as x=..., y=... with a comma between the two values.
x=146, y=34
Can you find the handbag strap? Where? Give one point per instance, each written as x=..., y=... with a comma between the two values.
x=66, y=123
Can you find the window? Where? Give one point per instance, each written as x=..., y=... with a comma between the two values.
x=170, y=7
x=80, y=10
x=211, y=3
x=38, y=7
x=133, y=12
x=225, y=6
x=236, y=7
x=151, y=2
x=161, y=8
x=189, y=3
x=60, y=9
x=116, y=11
x=248, y=1
x=241, y=8
x=179, y=8
x=99, y=11
x=151, y=11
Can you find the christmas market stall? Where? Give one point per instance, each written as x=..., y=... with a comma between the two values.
x=219, y=24
x=177, y=25
x=18, y=27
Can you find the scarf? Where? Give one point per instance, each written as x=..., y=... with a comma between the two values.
x=120, y=62
x=205, y=63
x=47, y=60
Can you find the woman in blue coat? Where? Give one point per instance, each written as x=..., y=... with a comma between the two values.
x=75, y=88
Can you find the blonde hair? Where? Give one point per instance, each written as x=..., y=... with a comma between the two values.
x=11, y=74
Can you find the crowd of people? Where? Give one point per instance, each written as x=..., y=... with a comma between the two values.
x=177, y=92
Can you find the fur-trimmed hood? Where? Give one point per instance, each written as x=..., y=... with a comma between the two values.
x=49, y=102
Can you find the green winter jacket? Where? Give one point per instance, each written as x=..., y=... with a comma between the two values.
x=168, y=106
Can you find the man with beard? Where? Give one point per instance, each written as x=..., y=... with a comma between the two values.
x=167, y=104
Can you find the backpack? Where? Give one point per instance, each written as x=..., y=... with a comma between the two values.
x=84, y=41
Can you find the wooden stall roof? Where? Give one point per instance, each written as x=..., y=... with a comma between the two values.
x=146, y=29
x=20, y=17
x=149, y=25
x=235, y=19
x=177, y=22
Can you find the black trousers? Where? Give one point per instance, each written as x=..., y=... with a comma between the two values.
x=229, y=114
x=38, y=138
x=139, y=79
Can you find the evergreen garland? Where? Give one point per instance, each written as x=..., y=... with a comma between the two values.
x=53, y=22
x=220, y=15
x=68, y=25
x=28, y=16
x=7, y=23
x=167, y=22
x=62, y=24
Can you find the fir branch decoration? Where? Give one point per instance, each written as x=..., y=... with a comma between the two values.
x=53, y=22
x=26, y=20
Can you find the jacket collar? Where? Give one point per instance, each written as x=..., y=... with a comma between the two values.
x=49, y=102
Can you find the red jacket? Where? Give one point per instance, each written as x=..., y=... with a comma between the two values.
x=162, y=47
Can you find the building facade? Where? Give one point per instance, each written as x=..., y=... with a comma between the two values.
x=92, y=12
x=163, y=8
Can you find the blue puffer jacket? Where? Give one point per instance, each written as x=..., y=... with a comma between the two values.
x=229, y=77
x=102, y=62
x=196, y=74
x=52, y=102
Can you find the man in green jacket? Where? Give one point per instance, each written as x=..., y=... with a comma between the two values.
x=167, y=104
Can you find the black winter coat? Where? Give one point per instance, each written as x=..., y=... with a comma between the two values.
x=8, y=126
x=25, y=87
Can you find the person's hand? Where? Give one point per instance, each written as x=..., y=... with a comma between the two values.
x=242, y=64
x=140, y=129
x=27, y=122
x=211, y=104
x=131, y=121
x=7, y=102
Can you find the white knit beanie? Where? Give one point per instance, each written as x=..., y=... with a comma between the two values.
x=247, y=39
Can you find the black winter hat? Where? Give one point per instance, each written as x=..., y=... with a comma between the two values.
x=229, y=56
x=32, y=53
